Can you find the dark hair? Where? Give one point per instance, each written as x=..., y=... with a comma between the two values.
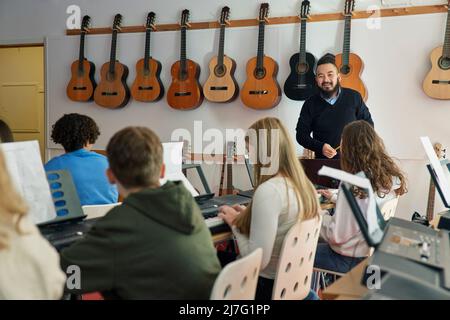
x=73, y=131
x=5, y=132
x=327, y=58
x=135, y=157
x=363, y=150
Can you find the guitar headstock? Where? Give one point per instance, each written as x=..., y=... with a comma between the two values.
x=230, y=151
x=224, y=16
x=117, y=22
x=263, y=12
x=349, y=8
x=305, y=9
x=150, y=24
x=185, y=18
x=85, y=24
x=440, y=151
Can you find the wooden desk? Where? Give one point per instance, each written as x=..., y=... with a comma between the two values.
x=349, y=286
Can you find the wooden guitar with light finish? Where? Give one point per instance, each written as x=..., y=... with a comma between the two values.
x=221, y=85
x=147, y=87
x=185, y=92
x=82, y=83
x=437, y=83
x=350, y=64
x=112, y=91
x=261, y=89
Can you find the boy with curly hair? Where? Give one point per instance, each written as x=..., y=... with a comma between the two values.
x=77, y=134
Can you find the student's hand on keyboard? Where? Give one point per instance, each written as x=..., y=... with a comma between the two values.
x=326, y=193
x=228, y=214
x=239, y=208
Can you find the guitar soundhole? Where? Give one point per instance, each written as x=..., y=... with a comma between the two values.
x=345, y=69
x=219, y=71
x=183, y=75
x=302, y=68
x=259, y=73
x=444, y=63
x=110, y=76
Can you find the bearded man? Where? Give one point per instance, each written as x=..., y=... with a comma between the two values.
x=327, y=113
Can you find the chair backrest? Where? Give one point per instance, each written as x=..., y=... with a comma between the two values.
x=98, y=210
x=238, y=280
x=389, y=207
x=295, y=266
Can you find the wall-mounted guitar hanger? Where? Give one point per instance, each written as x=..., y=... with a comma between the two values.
x=391, y=12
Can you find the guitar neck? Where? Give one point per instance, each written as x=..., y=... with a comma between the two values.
x=81, y=55
x=147, y=49
x=260, y=56
x=347, y=36
x=112, y=60
x=230, y=177
x=430, y=202
x=221, y=45
x=302, y=51
x=446, y=50
x=183, y=50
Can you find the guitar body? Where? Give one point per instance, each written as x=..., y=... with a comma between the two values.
x=147, y=87
x=82, y=83
x=221, y=85
x=352, y=78
x=112, y=91
x=261, y=92
x=301, y=82
x=185, y=92
x=440, y=89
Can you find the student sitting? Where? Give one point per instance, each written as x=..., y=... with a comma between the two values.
x=155, y=245
x=29, y=266
x=5, y=132
x=77, y=133
x=282, y=197
x=362, y=151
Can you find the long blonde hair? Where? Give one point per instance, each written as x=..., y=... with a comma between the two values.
x=11, y=204
x=271, y=131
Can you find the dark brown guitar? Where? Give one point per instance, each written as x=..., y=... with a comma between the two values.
x=82, y=83
x=112, y=92
x=185, y=91
x=147, y=86
x=261, y=89
x=221, y=85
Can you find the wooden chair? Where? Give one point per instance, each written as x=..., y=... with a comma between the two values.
x=238, y=280
x=295, y=266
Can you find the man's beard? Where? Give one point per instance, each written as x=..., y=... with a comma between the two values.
x=329, y=94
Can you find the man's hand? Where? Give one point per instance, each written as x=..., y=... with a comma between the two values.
x=328, y=151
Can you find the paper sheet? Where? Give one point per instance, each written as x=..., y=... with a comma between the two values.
x=25, y=167
x=444, y=183
x=360, y=182
x=173, y=159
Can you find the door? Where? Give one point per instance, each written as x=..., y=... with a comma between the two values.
x=22, y=92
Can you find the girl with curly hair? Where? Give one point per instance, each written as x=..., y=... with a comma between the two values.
x=362, y=150
x=77, y=134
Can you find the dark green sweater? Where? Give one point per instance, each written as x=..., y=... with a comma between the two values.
x=156, y=245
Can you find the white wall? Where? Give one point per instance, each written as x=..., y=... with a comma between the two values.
x=396, y=60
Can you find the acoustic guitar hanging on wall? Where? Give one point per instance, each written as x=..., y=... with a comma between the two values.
x=437, y=83
x=82, y=83
x=350, y=64
x=147, y=87
x=261, y=89
x=221, y=85
x=112, y=91
x=185, y=91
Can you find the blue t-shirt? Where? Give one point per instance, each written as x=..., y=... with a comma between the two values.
x=88, y=170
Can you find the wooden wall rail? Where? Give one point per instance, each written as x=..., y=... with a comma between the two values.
x=391, y=12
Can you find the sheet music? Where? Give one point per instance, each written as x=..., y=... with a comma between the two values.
x=25, y=167
x=173, y=159
x=360, y=182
